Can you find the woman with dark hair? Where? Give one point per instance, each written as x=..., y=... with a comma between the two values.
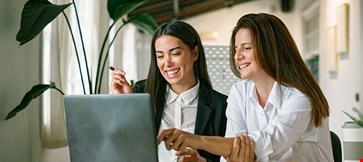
x=180, y=88
x=278, y=104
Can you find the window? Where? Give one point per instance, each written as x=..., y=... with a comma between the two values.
x=311, y=38
x=60, y=66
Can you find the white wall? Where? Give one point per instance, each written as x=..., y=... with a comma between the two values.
x=223, y=20
x=341, y=89
x=19, y=71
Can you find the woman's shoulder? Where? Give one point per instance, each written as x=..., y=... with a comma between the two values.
x=141, y=82
x=293, y=95
x=214, y=93
x=211, y=94
x=139, y=86
x=241, y=86
x=217, y=94
x=292, y=92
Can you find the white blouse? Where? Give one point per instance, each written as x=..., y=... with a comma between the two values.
x=180, y=111
x=283, y=129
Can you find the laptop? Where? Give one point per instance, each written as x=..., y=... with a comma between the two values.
x=110, y=128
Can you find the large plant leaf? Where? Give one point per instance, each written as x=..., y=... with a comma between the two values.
x=36, y=91
x=119, y=8
x=35, y=16
x=144, y=22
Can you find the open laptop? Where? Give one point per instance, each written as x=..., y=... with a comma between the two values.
x=110, y=128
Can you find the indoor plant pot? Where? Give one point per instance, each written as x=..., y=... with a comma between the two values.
x=353, y=137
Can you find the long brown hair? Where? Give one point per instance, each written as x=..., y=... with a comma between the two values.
x=279, y=57
x=155, y=82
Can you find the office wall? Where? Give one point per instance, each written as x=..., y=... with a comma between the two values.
x=222, y=21
x=19, y=70
x=342, y=87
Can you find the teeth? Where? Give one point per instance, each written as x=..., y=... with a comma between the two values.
x=243, y=66
x=172, y=72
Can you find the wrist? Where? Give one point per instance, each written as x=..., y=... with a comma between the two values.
x=199, y=143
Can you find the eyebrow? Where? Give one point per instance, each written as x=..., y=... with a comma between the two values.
x=169, y=50
x=243, y=44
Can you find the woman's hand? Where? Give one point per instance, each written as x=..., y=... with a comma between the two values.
x=178, y=140
x=119, y=83
x=190, y=155
x=243, y=150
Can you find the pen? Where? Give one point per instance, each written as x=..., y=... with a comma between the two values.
x=112, y=68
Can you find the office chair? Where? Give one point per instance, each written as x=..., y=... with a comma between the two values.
x=337, y=147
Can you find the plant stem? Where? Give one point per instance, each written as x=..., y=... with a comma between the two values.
x=106, y=56
x=83, y=47
x=100, y=57
x=77, y=55
x=60, y=91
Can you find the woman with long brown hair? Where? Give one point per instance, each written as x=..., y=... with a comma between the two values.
x=278, y=104
x=180, y=88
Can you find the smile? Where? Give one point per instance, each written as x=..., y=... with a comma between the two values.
x=243, y=66
x=171, y=72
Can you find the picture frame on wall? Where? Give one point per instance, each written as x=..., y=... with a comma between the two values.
x=332, y=50
x=343, y=29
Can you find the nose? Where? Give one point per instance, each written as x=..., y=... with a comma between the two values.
x=238, y=54
x=168, y=60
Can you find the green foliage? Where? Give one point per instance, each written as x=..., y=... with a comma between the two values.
x=36, y=91
x=36, y=14
x=358, y=120
x=144, y=22
x=118, y=8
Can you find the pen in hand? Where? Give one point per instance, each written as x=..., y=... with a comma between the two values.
x=113, y=69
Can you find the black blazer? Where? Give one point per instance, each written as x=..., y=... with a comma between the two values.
x=211, y=119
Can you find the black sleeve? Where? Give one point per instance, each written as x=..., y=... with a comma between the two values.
x=139, y=87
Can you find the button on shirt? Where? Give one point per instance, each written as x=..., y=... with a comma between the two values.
x=180, y=111
x=283, y=129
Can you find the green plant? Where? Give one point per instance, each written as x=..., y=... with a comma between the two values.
x=36, y=14
x=358, y=120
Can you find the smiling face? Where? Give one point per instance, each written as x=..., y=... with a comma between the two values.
x=175, y=61
x=244, y=57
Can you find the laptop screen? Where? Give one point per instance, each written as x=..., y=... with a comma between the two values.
x=110, y=128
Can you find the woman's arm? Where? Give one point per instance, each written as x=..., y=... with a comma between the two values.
x=179, y=140
x=216, y=145
x=235, y=111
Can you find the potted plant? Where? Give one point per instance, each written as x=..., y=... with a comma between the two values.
x=352, y=137
x=36, y=14
x=358, y=120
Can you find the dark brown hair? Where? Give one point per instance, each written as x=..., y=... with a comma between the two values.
x=279, y=57
x=155, y=82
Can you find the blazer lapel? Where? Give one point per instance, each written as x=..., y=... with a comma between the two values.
x=204, y=109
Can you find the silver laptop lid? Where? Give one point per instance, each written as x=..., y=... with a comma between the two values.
x=110, y=128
